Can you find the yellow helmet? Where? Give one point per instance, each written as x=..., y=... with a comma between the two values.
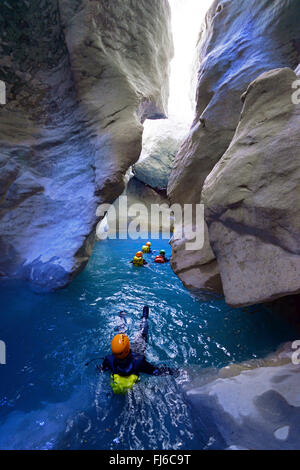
x=120, y=346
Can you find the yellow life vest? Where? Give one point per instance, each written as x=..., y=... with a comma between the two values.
x=138, y=261
x=120, y=385
x=146, y=249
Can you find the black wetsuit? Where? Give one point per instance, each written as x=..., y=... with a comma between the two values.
x=135, y=363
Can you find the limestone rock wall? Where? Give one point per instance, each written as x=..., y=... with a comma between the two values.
x=162, y=139
x=239, y=41
x=80, y=77
x=252, y=196
x=136, y=203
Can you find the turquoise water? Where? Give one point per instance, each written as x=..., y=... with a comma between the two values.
x=49, y=399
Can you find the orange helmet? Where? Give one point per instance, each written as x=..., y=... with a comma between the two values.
x=120, y=346
x=139, y=254
x=148, y=244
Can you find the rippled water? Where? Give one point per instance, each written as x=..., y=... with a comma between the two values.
x=49, y=399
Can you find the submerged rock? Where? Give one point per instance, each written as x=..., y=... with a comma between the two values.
x=252, y=196
x=239, y=41
x=253, y=405
x=80, y=77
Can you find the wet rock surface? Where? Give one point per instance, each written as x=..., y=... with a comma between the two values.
x=80, y=77
x=196, y=267
x=239, y=41
x=135, y=209
x=252, y=196
x=161, y=142
x=252, y=405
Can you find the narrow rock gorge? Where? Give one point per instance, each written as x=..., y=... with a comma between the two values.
x=81, y=77
x=250, y=196
x=94, y=111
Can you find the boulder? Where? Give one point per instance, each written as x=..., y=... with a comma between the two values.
x=161, y=142
x=251, y=197
x=80, y=78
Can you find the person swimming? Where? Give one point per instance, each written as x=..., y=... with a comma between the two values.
x=138, y=260
x=161, y=258
x=147, y=248
x=126, y=364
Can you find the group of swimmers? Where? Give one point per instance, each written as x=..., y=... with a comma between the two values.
x=139, y=260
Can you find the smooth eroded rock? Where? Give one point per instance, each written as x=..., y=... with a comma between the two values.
x=134, y=210
x=239, y=41
x=80, y=77
x=196, y=267
x=252, y=196
x=255, y=406
x=161, y=142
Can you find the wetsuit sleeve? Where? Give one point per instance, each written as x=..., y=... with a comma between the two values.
x=105, y=366
x=165, y=371
x=148, y=368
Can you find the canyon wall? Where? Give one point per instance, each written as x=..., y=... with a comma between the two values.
x=162, y=140
x=252, y=196
x=133, y=210
x=80, y=77
x=240, y=41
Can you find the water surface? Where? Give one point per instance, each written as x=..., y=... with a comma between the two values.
x=49, y=399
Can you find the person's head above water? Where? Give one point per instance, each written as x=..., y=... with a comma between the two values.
x=139, y=254
x=120, y=346
x=162, y=252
